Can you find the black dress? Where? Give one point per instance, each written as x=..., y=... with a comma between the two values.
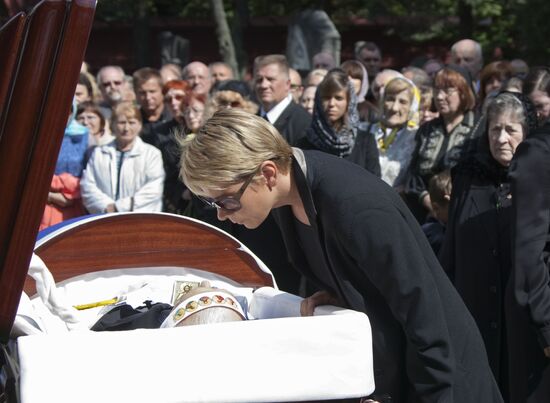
x=529, y=297
x=375, y=258
x=476, y=250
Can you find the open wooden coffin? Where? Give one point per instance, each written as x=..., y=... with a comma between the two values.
x=285, y=358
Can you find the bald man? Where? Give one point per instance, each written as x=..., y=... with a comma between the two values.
x=197, y=75
x=381, y=80
x=467, y=53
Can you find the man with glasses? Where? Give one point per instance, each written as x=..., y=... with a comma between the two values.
x=112, y=83
x=354, y=238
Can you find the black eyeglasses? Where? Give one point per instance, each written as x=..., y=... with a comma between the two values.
x=229, y=202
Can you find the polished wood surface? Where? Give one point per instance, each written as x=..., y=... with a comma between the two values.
x=11, y=38
x=36, y=115
x=146, y=240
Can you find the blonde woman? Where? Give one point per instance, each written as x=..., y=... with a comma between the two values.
x=353, y=237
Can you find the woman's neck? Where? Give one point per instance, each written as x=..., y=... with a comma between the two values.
x=124, y=146
x=452, y=121
x=290, y=196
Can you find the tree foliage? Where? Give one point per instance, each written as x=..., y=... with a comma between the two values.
x=520, y=27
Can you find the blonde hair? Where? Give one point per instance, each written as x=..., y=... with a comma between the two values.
x=127, y=109
x=226, y=99
x=229, y=148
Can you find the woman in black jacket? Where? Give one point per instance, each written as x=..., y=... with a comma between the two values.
x=334, y=127
x=353, y=237
x=476, y=251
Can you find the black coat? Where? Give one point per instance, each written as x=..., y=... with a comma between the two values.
x=364, y=153
x=530, y=279
x=293, y=123
x=375, y=258
x=476, y=250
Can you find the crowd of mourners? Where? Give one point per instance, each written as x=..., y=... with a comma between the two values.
x=466, y=145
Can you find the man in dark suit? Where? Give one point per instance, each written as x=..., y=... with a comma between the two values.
x=354, y=238
x=272, y=86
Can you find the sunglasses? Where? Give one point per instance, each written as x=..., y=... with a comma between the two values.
x=230, y=203
x=228, y=104
x=114, y=83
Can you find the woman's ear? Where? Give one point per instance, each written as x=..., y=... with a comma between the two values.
x=270, y=172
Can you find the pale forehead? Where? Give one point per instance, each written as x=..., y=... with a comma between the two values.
x=197, y=68
x=385, y=76
x=539, y=96
x=111, y=73
x=270, y=70
x=310, y=91
x=174, y=91
x=367, y=52
x=220, y=68
x=295, y=77
x=465, y=48
x=151, y=84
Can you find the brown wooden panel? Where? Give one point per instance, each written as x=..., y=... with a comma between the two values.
x=146, y=240
x=50, y=65
x=24, y=112
x=11, y=38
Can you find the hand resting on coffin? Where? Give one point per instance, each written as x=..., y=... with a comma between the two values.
x=309, y=304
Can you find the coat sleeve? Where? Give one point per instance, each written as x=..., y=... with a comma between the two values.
x=414, y=184
x=93, y=197
x=531, y=212
x=447, y=253
x=388, y=253
x=149, y=196
x=373, y=157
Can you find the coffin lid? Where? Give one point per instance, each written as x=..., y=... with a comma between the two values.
x=40, y=60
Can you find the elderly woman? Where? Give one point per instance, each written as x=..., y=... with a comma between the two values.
x=441, y=142
x=394, y=133
x=126, y=174
x=530, y=279
x=88, y=114
x=476, y=251
x=352, y=236
x=335, y=124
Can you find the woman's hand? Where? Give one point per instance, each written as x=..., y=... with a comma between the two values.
x=309, y=304
x=547, y=351
x=58, y=199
